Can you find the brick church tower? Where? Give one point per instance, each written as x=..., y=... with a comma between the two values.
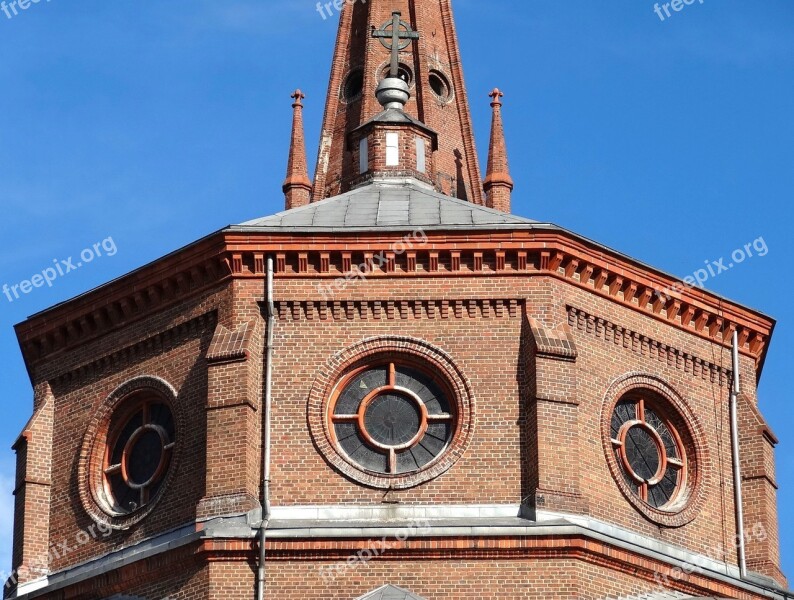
x=396, y=389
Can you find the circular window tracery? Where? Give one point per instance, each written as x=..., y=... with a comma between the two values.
x=130, y=452
x=141, y=444
x=655, y=449
x=391, y=412
x=649, y=451
x=392, y=418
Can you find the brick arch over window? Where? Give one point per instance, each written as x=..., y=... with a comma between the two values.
x=693, y=438
x=397, y=349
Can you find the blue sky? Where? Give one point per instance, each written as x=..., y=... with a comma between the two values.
x=158, y=123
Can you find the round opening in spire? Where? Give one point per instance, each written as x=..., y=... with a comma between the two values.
x=404, y=72
x=440, y=86
x=353, y=86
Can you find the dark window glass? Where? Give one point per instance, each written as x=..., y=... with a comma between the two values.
x=647, y=450
x=354, y=85
x=392, y=419
x=142, y=442
x=145, y=457
x=642, y=453
x=356, y=448
x=440, y=85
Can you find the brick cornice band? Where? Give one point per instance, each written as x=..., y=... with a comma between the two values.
x=329, y=258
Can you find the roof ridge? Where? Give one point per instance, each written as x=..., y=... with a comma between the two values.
x=378, y=594
x=426, y=207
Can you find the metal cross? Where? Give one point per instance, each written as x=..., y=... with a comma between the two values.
x=395, y=35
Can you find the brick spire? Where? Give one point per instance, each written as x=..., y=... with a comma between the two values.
x=498, y=183
x=297, y=186
x=430, y=64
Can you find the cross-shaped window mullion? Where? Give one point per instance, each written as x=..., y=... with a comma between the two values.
x=345, y=418
x=441, y=418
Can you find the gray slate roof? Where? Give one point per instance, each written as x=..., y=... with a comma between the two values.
x=393, y=115
x=395, y=205
x=390, y=592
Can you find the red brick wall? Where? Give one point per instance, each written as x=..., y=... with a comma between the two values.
x=408, y=159
x=302, y=476
x=33, y=487
x=492, y=347
x=157, y=347
x=487, y=350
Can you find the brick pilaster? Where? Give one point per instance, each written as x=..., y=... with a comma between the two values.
x=233, y=420
x=553, y=419
x=32, y=490
x=759, y=485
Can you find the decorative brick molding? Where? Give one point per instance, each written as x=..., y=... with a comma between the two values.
x=124, y=356
x=645, y=346
x=524, y=253
x=395, y=348
x=698, y=464
x=95, y=440
x=111, y=307
x=479, y=550
x=346, y=310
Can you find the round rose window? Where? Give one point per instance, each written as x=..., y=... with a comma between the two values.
x=138, y=455
x=392, y=419
x=649, y=451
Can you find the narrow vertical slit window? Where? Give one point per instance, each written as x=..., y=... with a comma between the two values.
x=421, y=158
x=392, y=149
x=363, y=159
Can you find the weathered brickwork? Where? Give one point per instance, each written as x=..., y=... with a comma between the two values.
x=535, y=334
x=538, y=416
